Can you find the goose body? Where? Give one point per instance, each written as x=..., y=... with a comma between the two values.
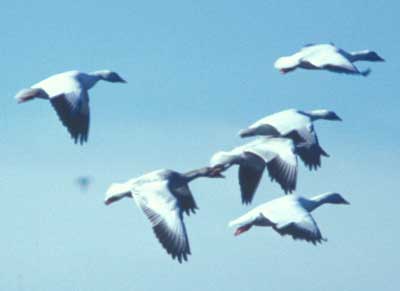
x=68, y=94
x=275, y=154
x=326, y=57
x=164, y=196
x=297, y=125
x=288, y=215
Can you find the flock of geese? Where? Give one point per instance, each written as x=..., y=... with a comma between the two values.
x=164, y=195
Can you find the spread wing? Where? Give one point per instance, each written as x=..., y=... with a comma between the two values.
x=332, y=60
x=310, y=151
x=163, y=210
x=278, y=154
x=261, y=129
x=185, y=197
x=73, y=110
x=250, y=173
x=301, y=227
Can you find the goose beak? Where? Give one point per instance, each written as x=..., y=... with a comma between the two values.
x=121, y=80
x=216, y=172
x=379, y=58
x=109, y=201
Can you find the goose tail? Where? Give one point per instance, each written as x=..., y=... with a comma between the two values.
x=243, y=220
x=117, y=191
x=29, y=94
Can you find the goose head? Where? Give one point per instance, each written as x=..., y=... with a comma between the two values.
x=325, y=114
x=110, y=76
x=373, y=57
x=335, y=198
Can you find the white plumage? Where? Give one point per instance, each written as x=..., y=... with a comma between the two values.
x=326, y=57
x=297, y=125
x=68, y=94
x=164, y=196
x=288, y=215
x=277, y=154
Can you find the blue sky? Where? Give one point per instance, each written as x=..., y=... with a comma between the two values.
x=197, y=72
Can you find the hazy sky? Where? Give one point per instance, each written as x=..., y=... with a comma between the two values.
x=197, y=72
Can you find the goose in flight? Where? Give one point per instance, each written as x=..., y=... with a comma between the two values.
x=288, y=215
x=275, y=154
x=163, y=196
x=297, y=125
x=326, y=57
x=68, y=94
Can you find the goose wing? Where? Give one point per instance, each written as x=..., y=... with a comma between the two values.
x=310, y=151
x=301, y=227
x=73, y=110
x=185, y=197
x=288, y=217
x=250, y=173
x=280, y=159
x=161, y=207
x=331, y=60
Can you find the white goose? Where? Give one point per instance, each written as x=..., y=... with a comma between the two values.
x=163, y=196
x=297, y=125
x=326, y=57
x=68, y=94
x=288, y=215
x=277, y=154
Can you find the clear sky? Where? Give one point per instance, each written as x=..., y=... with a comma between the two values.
x=197, y=72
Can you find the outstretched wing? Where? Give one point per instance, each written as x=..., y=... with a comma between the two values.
x=331, y=60
x=165, y=215
x=73, y=110
x=185, y=197
x=310, y=151
x=250, y=173
x=278, y=154
x=302, y=227
x=262, y=129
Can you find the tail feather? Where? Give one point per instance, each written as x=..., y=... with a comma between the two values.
x=117, y=191
x=243, y=220
x=242, y=229
x=30, y=93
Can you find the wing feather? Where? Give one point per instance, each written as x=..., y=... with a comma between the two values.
x=250, y=174
x=73, y=111
x=165, y=214
x=303, y=228
x=310, y=151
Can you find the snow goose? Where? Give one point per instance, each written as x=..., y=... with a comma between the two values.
x=277, y=154
x=297, y=125
x=288, y=215
x=68, y=94
x=326, y=57
x=163, y=196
